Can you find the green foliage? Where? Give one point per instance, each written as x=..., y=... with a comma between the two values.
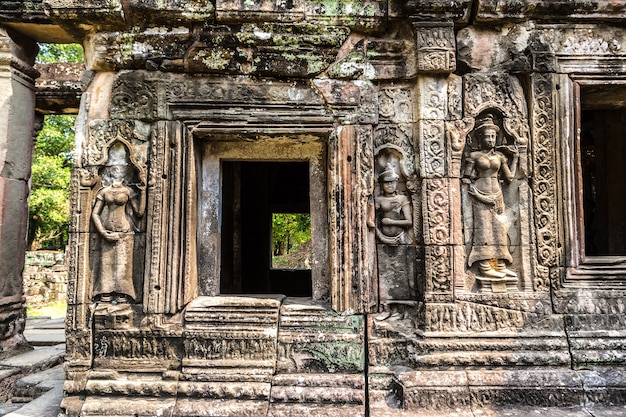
x=55, y=309
x=52, y=163
x=50, y=180
x=50, y=53
x=289, y=231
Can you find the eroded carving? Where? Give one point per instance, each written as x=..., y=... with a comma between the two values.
x=116, y=209
x=394, y=214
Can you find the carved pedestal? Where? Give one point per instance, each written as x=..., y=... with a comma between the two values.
x=497, y=285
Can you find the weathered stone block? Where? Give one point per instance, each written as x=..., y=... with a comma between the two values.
x=441, y=10
x=191, y=407
x=350, y=101
x=313, y=339
x=166, y=12
x=13, y=226
x=396, y=104
x=366, y=16
x=494, y=10
x=237, y=11
x=432, y=94
x=103, y=13
x=122, y=406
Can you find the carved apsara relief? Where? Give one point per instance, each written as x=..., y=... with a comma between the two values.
x=112, y=183
x=494, y=171
x=117, y=208
x=392, y=209
x=485, y=167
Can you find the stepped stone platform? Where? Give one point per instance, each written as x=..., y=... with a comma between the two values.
x=31, y=383
x=36, y=382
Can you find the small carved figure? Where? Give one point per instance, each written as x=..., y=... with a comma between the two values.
x=394, y=211
x=113, y=215
x=483, y=170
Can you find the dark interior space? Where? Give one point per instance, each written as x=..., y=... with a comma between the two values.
x=251, y=192
x=603, y=172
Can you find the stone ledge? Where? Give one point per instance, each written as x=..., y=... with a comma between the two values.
x=554, y=10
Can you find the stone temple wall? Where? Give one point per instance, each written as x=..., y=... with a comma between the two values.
x=445, y=183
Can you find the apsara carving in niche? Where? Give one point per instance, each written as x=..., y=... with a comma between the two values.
x=491, y=163
x=395, y=218
x=117, y=208
x=391, y=216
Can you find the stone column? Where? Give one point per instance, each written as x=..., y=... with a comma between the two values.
x=17, y=115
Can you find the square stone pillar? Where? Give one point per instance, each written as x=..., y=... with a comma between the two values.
x=17, y=115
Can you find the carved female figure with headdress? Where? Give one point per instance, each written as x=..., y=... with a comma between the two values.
x=394, y=210
x=116, y=207
x=484, y=169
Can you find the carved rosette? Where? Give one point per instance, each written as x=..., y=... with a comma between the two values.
x=133, y=98
x=432, y=151
x=395, y=105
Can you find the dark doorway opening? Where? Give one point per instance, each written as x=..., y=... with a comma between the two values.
x=251, y=193
x=603, y=172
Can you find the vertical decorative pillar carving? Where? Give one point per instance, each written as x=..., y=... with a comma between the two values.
x=544, y=192
x=440, y=193
x=171, y=247
x=351, y=188
x=17, y=115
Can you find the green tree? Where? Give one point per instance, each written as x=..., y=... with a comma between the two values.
x=50, y=180
x=289, y=231
x=52, y=164
x=52, y=52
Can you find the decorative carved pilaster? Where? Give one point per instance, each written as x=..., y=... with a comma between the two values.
x=352, y=251
x=543, y=186
x=171, y=277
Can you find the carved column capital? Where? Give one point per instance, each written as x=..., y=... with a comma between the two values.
x=436, y=47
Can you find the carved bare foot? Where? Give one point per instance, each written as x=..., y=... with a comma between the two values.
x=487, y=271
x=501, y=267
